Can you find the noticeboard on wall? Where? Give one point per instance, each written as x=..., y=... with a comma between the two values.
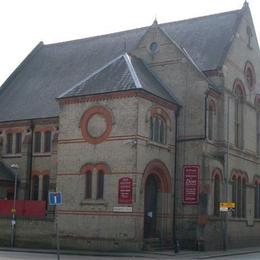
x=125, y=190
x=191, y=175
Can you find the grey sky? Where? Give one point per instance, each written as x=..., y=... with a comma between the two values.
x=25, y=23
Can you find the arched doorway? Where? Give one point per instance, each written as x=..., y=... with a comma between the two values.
x=150, y=206
x=156, y=186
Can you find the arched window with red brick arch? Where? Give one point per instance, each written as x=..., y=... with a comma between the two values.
x=257, y=197
x=95, y=175
x=216, y=181
x=159, y=124
x=239, y=182
x=211, y=119
x=239, y=93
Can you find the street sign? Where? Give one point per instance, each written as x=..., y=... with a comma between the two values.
x=55, y=198
x=228, y=205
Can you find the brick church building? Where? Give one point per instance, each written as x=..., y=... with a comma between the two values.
x=143, y=131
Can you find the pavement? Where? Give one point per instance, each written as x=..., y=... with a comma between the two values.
x=183, y=254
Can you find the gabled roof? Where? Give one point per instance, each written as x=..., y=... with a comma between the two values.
x=121, y=74
x=50, y=70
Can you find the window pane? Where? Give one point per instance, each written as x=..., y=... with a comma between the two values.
x=37, y=142
x=244, y=198
x=234, y=195
x=156, y=129
x=210, y=123
x=35, y=188
x=239, y=197
x=216, y=195
x=162, y=132
x=9, y=143
x=45, y=188
x=88, y=194
x=18, y=143
x=151, y=128
x=100, y=185
x=47, y=141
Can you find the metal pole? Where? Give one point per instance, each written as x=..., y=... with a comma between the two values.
x=225, y=220
x=57, y=235
x=13, y=221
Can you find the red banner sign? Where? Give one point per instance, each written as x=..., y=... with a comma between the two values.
x=125, y=187
x=191, y=184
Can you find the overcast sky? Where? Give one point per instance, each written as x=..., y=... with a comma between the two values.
x=24, y=23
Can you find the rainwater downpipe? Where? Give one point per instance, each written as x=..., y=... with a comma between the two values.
x=30, y=156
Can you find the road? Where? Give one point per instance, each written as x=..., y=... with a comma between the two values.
x=4, y=255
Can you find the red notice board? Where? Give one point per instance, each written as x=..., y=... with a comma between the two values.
x=125, y=188
x=191, y=175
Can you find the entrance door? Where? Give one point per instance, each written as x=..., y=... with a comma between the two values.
x=150, y=206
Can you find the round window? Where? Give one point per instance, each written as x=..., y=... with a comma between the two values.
x=154, y=47
x=96, y=125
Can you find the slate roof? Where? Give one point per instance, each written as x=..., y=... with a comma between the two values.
x=121, y=74
x=50, y=70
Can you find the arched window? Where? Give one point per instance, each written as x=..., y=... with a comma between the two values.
x=45, y=188
x=249, y=74
x=238, y=93
x=35, y=187
x=249, y=37
x=216, y=186
x=100, y=185
x=88, y=190
x=211, y=119
x=257, y=198
x=239, y=195
x=157, y=129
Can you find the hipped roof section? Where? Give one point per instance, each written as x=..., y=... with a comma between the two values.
x=50, y=70
x=121, y=74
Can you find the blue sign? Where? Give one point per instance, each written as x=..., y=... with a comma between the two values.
x=55, y=198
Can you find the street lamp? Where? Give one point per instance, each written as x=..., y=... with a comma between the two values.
x=15, y=167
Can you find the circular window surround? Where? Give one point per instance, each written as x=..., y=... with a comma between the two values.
x=103, y=116
x=153, y=47
x=249, y=66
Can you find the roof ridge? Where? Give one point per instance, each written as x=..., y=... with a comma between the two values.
x=132, y=70
x=203, y=16
x=21, y=66
x=136, y=29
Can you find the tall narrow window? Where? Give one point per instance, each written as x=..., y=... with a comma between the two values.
x=35, y=187
x=88, y=189
x=47, y=141
x=9, y=143
x=239, y=195
x=258, y=133
x=37, y=142
x=100, y=185
x=238, y=117
x=45, y=188
x=257, y=199
x=216, y=194
x=211, y=115
x=18, y=143
x=157, y=129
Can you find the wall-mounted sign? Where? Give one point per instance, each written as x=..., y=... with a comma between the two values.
x=191, y=184
x=125, y=188
x=123, y=209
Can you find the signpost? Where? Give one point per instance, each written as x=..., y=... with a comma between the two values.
x=55, y=199
x=191, y=184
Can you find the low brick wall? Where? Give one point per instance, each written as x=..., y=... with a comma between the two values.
x=33, y=233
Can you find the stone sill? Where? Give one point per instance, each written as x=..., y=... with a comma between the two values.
x=164, y=146
x=41, y=154
x=18, y=155
x=92, y=202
